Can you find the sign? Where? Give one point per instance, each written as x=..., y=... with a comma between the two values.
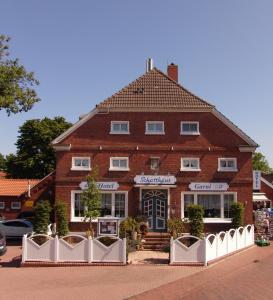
x=154, y=179
x=108, y=226
x=256, y=180
x=28, y=203
x=105, y=186
x=208, y=186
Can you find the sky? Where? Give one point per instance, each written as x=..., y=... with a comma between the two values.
x=84, y=51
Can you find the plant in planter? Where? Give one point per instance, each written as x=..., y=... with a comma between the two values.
x=237, y=214
x=42, y=216
x=196, y=213
x=61, y=218
x=176, y=226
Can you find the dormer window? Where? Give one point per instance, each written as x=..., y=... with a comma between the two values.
x=154, y=127
x=189, y=128
x=119, y=127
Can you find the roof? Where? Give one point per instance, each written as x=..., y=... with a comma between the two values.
x=154, y=89
x=268, y=177
x=16, y=187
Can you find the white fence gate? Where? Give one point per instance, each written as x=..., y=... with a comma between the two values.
x=72, y=248
x=189, y=249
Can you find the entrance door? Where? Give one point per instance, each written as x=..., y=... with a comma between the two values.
x=154, y=206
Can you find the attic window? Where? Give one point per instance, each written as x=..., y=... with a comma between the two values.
x=139, y=91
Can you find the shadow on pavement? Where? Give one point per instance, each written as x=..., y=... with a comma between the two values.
x=14, y=242
x=14, y=263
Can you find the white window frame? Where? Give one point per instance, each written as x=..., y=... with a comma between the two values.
x=148, y=132
x=183, y=169
x=210, y=220
x=81, y=219
x=189, y=132
x=112, y=131
x=157, y=158
x=15, y=202
x=2, y=205
x=80, y=168
x=112, y=168
x=227, y=169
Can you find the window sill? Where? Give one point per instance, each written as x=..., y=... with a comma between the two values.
x=154, y=133
x=189, y=133
x=80, y=169
x=119, y=170
x=216, y=220
x=190, y=170
x=231, y=170
x=113, y=132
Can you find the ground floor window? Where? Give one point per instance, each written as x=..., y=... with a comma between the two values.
x=112, y=204
x=216, y=205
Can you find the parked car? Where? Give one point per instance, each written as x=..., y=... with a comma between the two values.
x=3, y=246
x=27, y=215
x=15, y=228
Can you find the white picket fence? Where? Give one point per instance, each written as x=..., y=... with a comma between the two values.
x=190, y=249
x=58, y=250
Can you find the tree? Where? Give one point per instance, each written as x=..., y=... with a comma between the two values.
x=16, y=84
x=2, y=162
x=196, y=214
x=35, y=157
x=42, y=217
x=91, y=199
x=259, y=162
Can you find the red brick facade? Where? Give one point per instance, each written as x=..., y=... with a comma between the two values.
x=216, y=140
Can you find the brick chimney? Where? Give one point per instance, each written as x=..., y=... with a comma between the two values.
x=173, y=71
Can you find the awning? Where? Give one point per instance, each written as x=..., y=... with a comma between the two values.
x=259, y=197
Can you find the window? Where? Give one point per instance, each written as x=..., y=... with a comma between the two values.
x=15, y=205
x=216, y=205
x=119, y=164
x=227, y=164
x=112, y=204
x=81, y=163
x=154, y=127
x=119, y=127
x=189, y=128
x=2, y=205
x=190, y=164
x=154, y=163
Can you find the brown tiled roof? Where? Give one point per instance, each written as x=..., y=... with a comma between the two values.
x=154, y=89
x=16, y=187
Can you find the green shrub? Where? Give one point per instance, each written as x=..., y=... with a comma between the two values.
x=237, y=214
x=61, y=218
x=196, y=213
x=42, y=216
x=176, y=226
x=127, y=227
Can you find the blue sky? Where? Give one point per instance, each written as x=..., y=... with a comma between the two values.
x=84, y=51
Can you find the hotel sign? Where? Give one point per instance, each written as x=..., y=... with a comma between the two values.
x=105, y=186
x=208, y=186
x=154, y=179
x=256, y=180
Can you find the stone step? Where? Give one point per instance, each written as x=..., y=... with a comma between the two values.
x=154, y=247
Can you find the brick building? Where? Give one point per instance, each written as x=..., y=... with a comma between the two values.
x=158, y=148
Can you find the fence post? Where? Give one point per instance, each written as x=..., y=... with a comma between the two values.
x=89, y=249
x=24, y=248
x=171, y=251
x=56, y=249
x=124, y=251
x=217, y=244
x=252, y=234
x=205, y=252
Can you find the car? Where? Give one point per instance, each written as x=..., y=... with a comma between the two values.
x=15, y=228
x=3, y=245
x=26, y=215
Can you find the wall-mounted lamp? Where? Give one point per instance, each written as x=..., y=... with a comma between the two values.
x=137, y=148
x=100, y=147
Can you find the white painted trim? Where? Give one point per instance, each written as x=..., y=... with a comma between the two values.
x=148, y=132
x=2, y=205
x=247, y=149
x=227, y=169
x=80, y=168
x=62, y=147
x=112, y=168
x=189, y=132
x=15, y=202
x=119, y=132
x=267, y=182
x=234, y=128
x=87, y=117
x=209, y=220
x=183, y=169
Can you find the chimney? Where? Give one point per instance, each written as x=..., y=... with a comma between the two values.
x=173, y=71
x=149, y=64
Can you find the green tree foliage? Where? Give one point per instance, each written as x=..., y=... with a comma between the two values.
x=61, y=218
x=176, y=226
x=91, y=199
x=17, y=92
x=35, y=157
x=237, y=214
x=42, y=216
x=259, y=162
x=2, y=162
x=196, y=213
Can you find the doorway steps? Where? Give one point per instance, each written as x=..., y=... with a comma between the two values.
x=156, y=241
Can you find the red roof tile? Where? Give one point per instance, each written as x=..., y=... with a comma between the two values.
x=16, y=187
x=154, y=89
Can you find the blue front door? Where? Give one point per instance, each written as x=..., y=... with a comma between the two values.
x=154, y=207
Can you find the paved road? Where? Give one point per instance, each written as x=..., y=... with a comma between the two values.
x=247, y=275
